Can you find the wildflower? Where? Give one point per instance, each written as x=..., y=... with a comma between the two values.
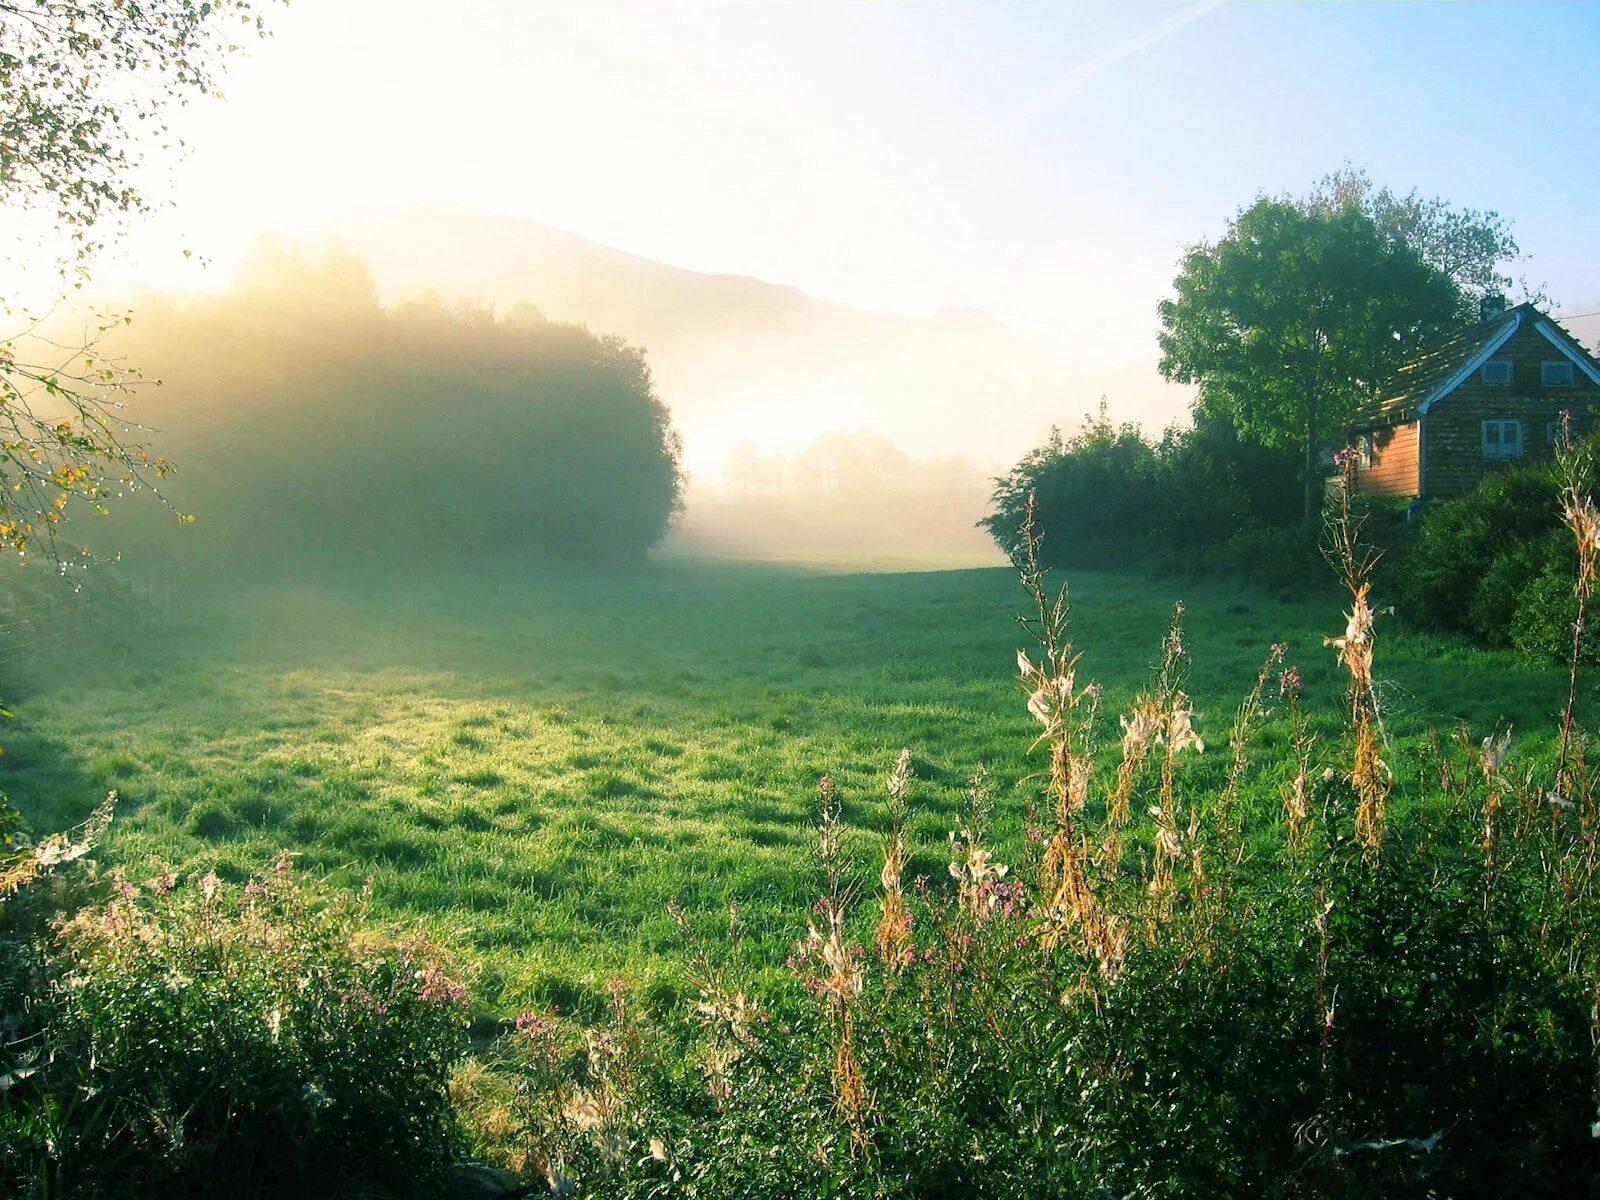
x=1139, y=732
x=439, y=988
x=209, y=883
x=162, y=884
x=1180, y=730
x=584, y=1112
x=1289, y=682
x=1493, y=752
x=532, y=1024
x=848, y=977
x=657, y=1150
x=1039, y=705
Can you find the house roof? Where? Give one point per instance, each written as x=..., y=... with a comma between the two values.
x=1440, y=370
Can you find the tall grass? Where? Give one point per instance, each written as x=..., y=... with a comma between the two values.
x=1388, y=986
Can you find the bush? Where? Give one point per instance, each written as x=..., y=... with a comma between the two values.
x=1106, y=495
x=208, y=1040
x=1477, y=562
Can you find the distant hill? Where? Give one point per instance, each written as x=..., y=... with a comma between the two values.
x=736, y=357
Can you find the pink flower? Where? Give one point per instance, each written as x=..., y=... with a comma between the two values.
x=532, y=1024
x=439, y=988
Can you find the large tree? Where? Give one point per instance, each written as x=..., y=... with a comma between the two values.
x=1473, y=247
x=1296, y=316
x=85, y=87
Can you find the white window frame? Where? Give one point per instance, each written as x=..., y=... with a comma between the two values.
x=1563, y=367
x=1500, y=448
x=1498, y=371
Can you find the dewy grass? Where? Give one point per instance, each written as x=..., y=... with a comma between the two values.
x=533, y=766
x=1348, y=956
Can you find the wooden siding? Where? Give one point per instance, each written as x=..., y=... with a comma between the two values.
x=1453, y=428
x=1394, y=463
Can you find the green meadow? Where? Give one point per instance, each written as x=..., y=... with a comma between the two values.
x=530, y=766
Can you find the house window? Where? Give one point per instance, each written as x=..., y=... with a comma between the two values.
x=1497, y=370
x=1556, y=374
x=1364, y=451
x=1502, y=439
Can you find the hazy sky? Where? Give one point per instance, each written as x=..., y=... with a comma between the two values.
x=1044, y=161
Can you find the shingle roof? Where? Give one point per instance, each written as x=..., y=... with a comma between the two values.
x=1435, y=371
x=1443, y=368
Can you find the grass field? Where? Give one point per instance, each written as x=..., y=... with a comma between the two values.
x=533, y=766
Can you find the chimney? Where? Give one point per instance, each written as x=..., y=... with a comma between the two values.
x=1491, y=306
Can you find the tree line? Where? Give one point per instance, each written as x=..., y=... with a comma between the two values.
x=315, y=430
x=1287, y=325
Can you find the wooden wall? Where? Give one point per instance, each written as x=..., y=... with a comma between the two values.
x=1453, y=428
x=1394, y=463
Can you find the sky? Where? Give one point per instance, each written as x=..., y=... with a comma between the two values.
x=1047, y=163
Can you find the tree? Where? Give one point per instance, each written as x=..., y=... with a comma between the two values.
x=1471, y=247
x=1296, y=317
x=85, y=85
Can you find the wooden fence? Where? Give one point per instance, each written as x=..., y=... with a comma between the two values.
x=48, y=616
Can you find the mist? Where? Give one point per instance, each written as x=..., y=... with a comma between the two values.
x=739, y=359
x=853, y=498
x=317, y=433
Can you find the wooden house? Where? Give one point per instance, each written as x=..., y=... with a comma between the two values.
x=1486, y=400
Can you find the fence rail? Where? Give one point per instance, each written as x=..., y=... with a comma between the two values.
x=45, y=619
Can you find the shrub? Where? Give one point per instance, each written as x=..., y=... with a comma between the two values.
x=1476, y=563
x=209, y=1040
x=1106, y=494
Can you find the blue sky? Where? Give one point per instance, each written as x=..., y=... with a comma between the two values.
x=1044, y=161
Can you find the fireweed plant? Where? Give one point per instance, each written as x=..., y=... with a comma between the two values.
x=1384, y=986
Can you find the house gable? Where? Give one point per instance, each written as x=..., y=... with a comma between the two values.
x=1473, y=365
x=1444, y=422
x=1558, y=338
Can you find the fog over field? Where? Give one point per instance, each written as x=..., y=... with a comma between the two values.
x=751, y=368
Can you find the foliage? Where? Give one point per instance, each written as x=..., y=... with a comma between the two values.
x=71, y=126
x=1312, y=958
x=1297, y=315
x=1468, y=246
x=1495, y=564
x=393, y=439
x=208, y=1040
x=1107, y=495
x=83, y=84
x=1100, y=488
